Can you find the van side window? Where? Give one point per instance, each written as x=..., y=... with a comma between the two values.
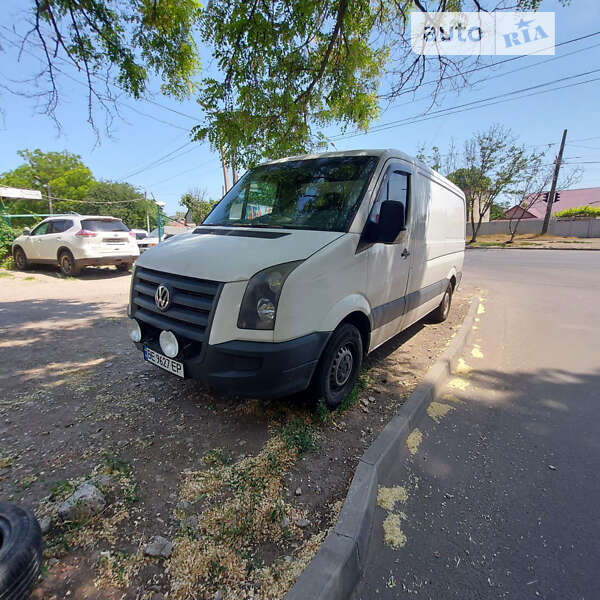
x=394, y=187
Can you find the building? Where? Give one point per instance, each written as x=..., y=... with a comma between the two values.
x=567, y=199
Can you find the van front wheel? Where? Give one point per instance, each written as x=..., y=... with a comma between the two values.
x=339, y=366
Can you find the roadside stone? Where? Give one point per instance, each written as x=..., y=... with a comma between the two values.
x=298, y=491
x=218, y=595
x=191, y=522
x=285, y=523
x=159, y=547
x=45, y=524
x=288, y=559
x=85, y=502
x=184, y=505
x=303, y=523
x=371, y=398
x=102, y=480
x=365, y=402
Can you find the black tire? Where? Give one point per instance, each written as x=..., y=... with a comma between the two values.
x=123, y=266
x=440, y=314
x=68, y=265
x=20, y=551
x=20, y=259
x=339, y=366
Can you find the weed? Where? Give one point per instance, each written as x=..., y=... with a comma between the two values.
x=29, y=278
x=351, y=399
x=321, y=414
x=217, y=456
x=6, y=274
x=300, y=435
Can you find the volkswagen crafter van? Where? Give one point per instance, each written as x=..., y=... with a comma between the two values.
x=306, y=265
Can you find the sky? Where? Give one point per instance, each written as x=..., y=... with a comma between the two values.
x=149, y=131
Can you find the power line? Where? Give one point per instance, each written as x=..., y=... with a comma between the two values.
x=498, y=75
x=157, y=161
x=484, y=102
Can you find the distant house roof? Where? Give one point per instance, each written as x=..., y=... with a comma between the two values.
x=20, y=194
x=568, y=199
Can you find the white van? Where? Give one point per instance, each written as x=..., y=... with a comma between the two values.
x=306, y=265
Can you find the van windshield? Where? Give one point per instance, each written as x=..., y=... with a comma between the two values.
x=320, y=194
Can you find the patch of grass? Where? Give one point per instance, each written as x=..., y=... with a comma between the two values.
x=352, y=398
x=321, y=413
x=300, y=435
x=61, y=490
x=6, y=274
x=29, y=278
x=217, y=456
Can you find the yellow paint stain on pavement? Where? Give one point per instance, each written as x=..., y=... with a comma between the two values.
x=480, y=309
x=462, y=368
x=392, y=532
x=476, y=351
x=388, y=496
x=452, y=398
x=437, y=411
x=458, y=383
x=413, y=441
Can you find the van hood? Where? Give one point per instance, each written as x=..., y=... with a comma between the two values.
x=233, y=254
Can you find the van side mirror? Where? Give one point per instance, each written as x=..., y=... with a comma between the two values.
x=392, y=221
x=26, y=231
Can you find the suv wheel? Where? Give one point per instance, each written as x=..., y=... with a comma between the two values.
x=123, y=266
x=67, y=264
x=20, y=551
x=339, y=366
x=20, y=259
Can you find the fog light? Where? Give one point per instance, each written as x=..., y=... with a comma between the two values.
x=168, y=344
x=135, y=333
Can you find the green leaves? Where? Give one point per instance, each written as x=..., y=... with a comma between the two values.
x=287, y=69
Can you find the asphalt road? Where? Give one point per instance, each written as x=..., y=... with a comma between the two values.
x=504, y=490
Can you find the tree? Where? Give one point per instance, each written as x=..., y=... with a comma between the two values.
x=536, y=178
x=63, y=172
x=493, y=164
x=120, y=200
x=283, y=71
x=120, y=42
x=498, y=210
x=197, y=203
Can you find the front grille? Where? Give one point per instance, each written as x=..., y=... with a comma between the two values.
x=193, y=302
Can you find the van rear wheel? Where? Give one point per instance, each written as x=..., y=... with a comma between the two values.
x=339, y=366
x=440, y=314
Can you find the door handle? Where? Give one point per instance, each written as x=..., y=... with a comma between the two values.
x=405, y=253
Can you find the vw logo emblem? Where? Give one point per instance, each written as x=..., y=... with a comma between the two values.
x=162, y=297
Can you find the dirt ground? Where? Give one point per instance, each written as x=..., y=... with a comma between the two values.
x=180, y=461
x=532, y=240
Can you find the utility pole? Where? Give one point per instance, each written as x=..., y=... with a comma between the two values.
x=557, y=164
x=49, y=198
x=147, y=215
x=225, y=171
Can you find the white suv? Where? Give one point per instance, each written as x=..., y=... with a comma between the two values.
x=75, y=241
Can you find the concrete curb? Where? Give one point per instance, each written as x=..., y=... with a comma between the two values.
x=336, y=569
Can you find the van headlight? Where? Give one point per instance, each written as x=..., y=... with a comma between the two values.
x=259, y=305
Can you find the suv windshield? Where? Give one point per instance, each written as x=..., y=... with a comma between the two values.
x=103, y=225
x=320, y=193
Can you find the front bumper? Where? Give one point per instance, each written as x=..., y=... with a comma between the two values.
x=257, y=369
x=106, y=260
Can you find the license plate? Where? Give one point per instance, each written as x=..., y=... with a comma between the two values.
x=164, y=362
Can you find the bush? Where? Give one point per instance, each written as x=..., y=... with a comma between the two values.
x=579, y=211
x=7, y=235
